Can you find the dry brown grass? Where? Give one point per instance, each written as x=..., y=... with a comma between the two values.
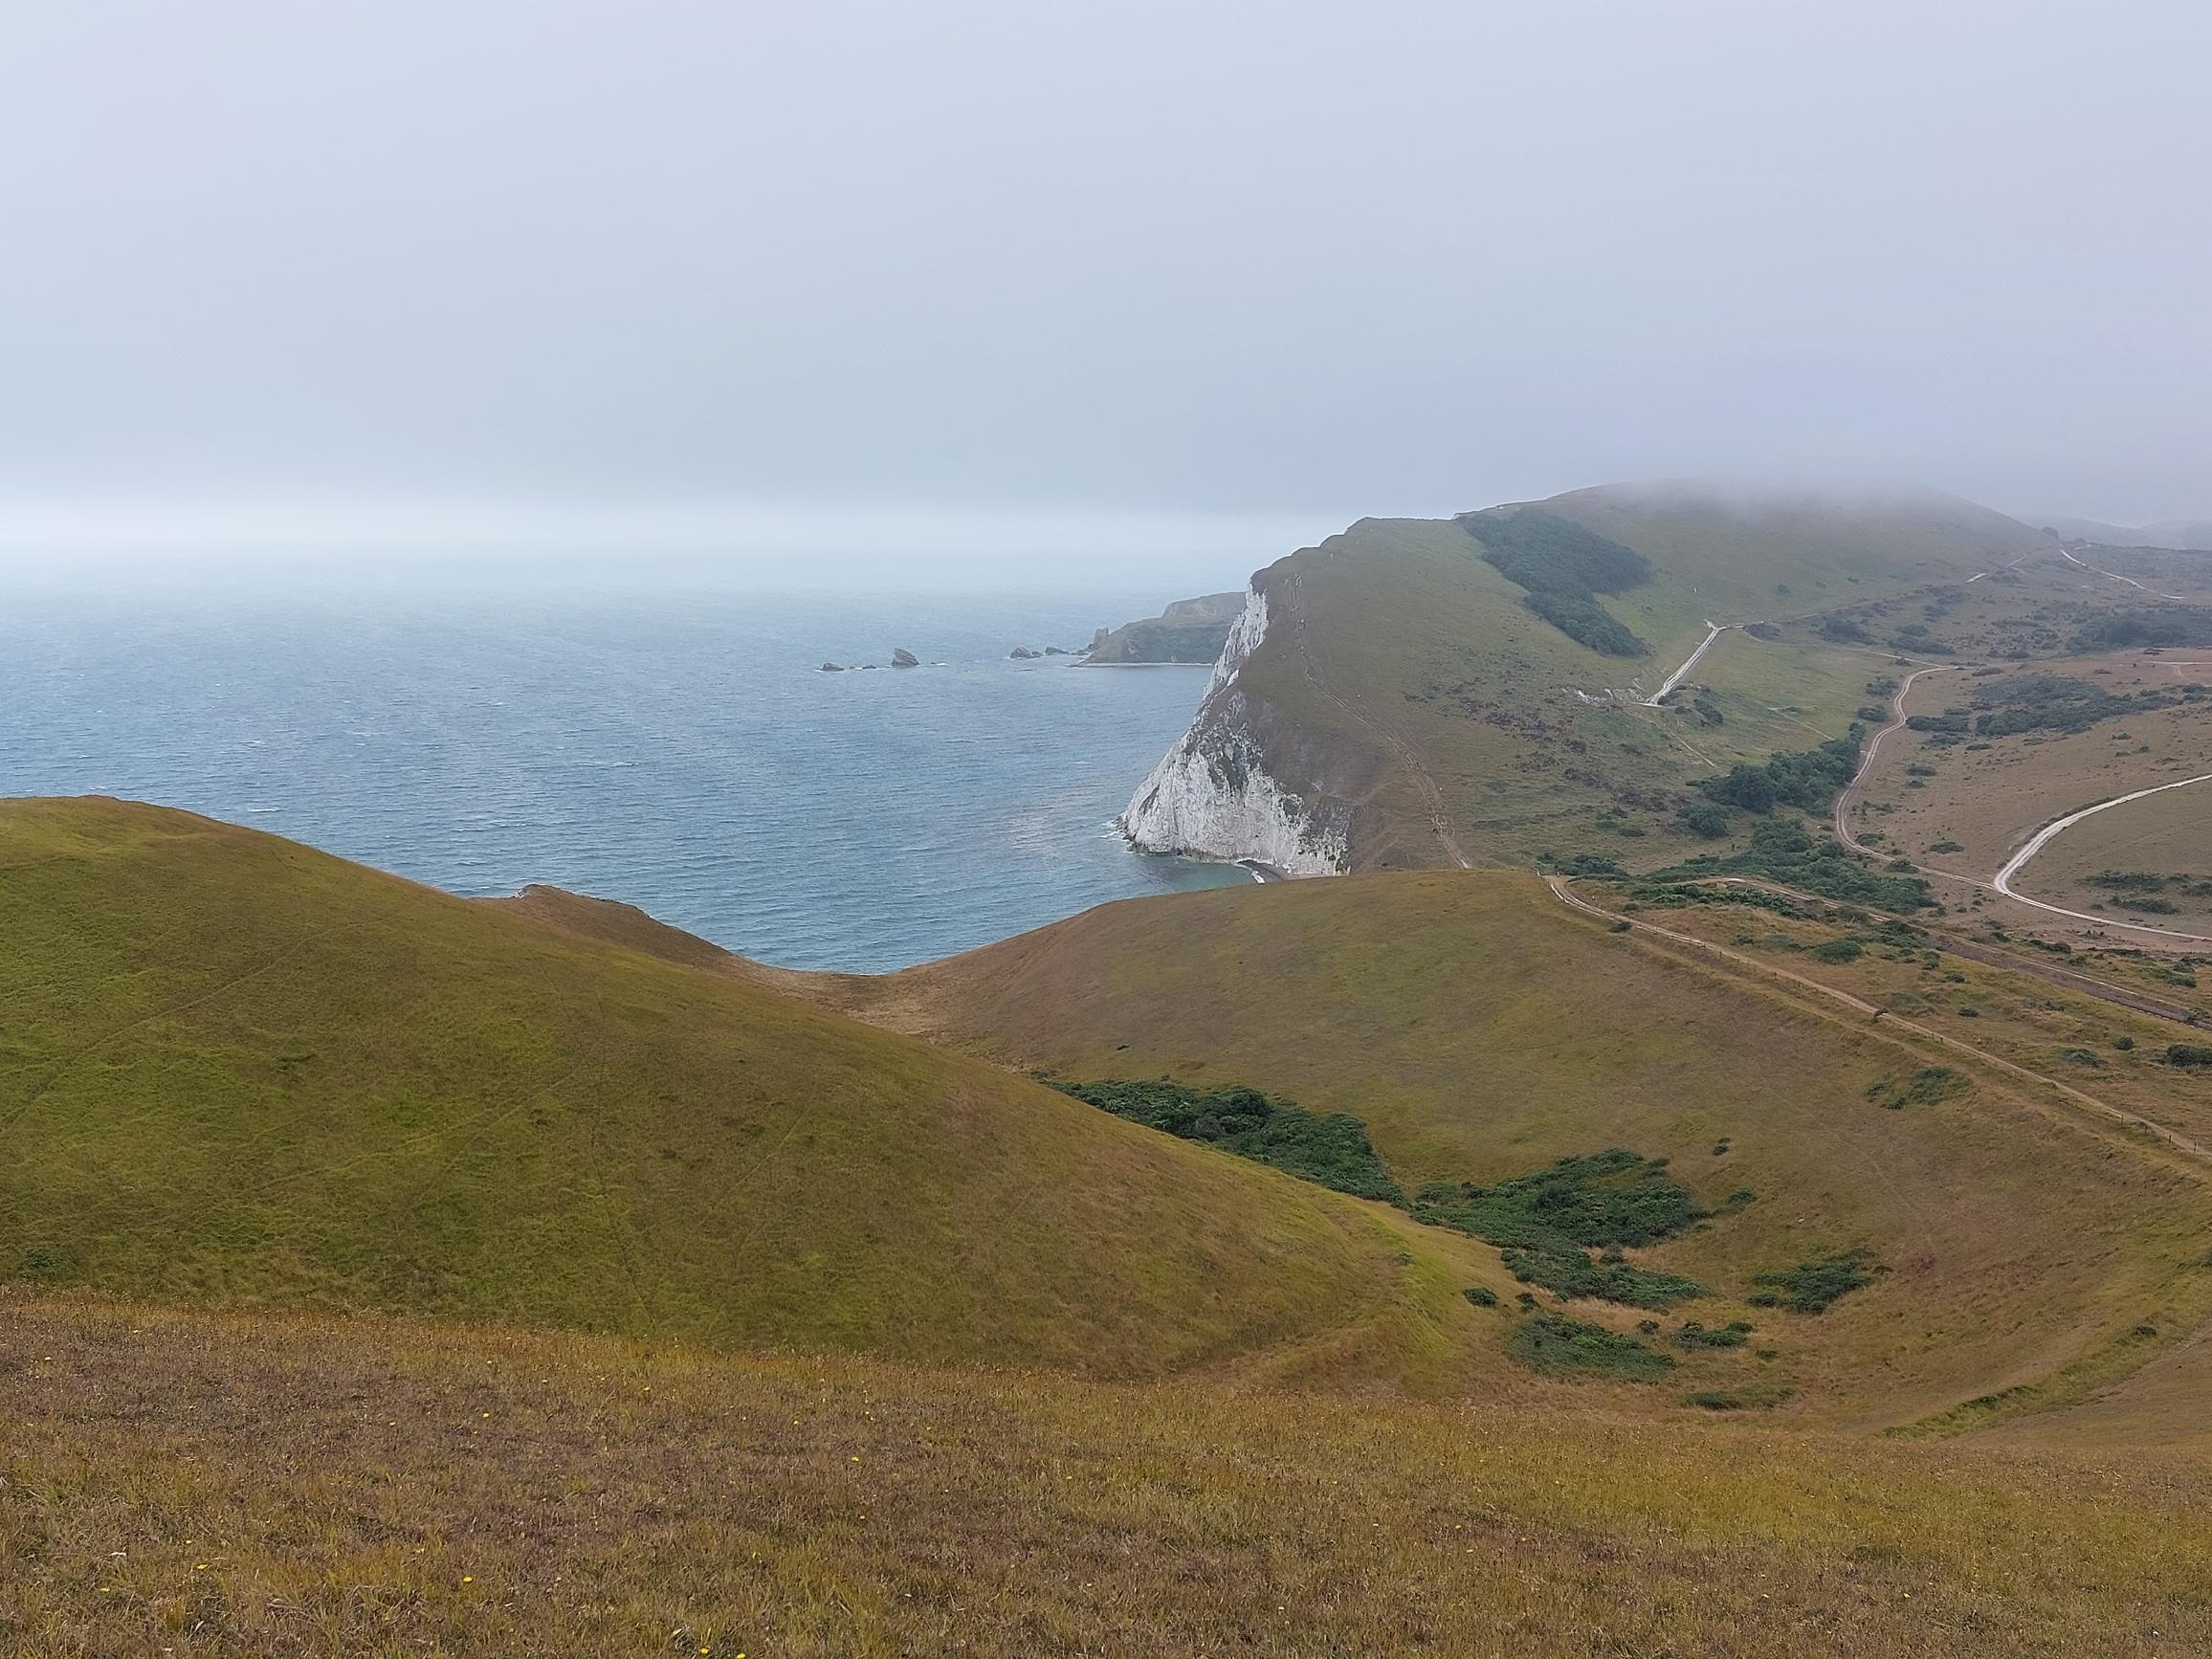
x=226, y=1485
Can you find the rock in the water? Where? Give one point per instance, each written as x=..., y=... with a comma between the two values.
x=1023, y=654
x=1060, y=651
x=832, y=668
x=904, y=658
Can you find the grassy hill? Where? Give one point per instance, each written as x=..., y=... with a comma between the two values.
x=235, y=1070
x=1480, y=1031
x=1406, y=688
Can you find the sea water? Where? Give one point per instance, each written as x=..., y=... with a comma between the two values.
x=676, y=748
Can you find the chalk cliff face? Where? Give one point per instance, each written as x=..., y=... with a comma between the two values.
x=1212, y=794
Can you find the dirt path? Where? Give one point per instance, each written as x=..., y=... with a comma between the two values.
x=1888, y=1020
x=1856, y=789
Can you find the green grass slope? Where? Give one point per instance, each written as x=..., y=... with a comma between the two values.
x=1481, y=1031
x=237, y=1071
x=1405, y=686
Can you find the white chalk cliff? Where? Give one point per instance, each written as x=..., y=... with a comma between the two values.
x=1212, y=795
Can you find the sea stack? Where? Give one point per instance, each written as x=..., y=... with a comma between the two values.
x=904, y=658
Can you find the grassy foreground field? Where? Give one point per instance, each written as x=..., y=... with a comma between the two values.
x=235, y=1071
x=263, y=1486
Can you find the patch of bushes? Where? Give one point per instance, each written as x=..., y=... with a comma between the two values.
x=1563, y=567
x=1589, y=864
x=2056, y=703
x=1782, y=851
x=2156, y=625
x=1929, y=1086
x=1708, y=819
x=1946, y=847
x=1814, y=1287
x=1839, y=950
x=1563, y=1347
x=1481, y=1295
x=2127, y=880
x=1330, y=1149
x=1758, y=1395
x=1693, y=1334
x=2190, y=1054
x=1545, y=1225
x=1807, y=779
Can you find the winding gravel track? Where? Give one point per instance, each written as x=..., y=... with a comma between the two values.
x=2042, y=837
x=1848, y=801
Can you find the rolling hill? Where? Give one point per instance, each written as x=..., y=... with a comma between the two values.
x=237, y=1072
x=1403, y=696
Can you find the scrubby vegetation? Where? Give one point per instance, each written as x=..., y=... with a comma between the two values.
x=1806, y=779
x=2185, y=625
x=1732, y=1334
x=1564, y=1347
x=1757, y=1396
x=1330, y=1149
x=1814, y=1287
x=1929, y=1086
x=1546, y=1224
x=1784, y=852
x=2057, y=703
x=1565, y=569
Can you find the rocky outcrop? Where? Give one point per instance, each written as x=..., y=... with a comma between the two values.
x=904, y=658
x=1023, y=653
x=1212, y=794
x=832, y=668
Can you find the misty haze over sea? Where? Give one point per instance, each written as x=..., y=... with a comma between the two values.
x=678, y=750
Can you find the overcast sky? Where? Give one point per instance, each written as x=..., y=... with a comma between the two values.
x=1190, y=275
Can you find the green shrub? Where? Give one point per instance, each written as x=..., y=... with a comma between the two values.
x=1563, y=567
x=2189, y=1054
x=2123, y=1043
x=1481, y=1295
x=1693, y=1334
x=1839, y=950
x=1546, y=1224
x=1329, y=1149
x=1563, y=1347
x=1813, y=1287
x=1929, y=1086
x=1760, y=1396
x=1707, y=819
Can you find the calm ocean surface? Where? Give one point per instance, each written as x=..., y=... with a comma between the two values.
x=678, y=750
